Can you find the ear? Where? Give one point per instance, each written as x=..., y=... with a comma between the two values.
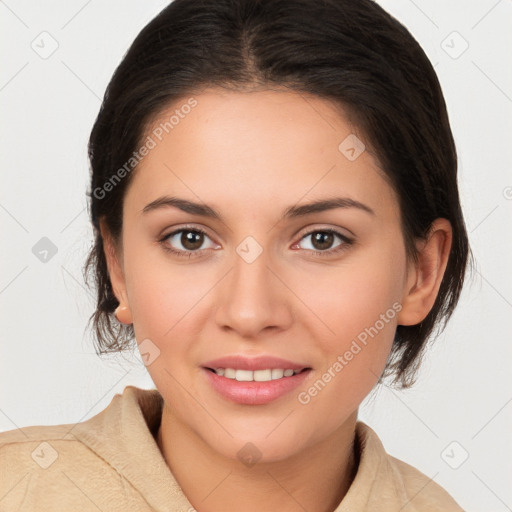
x=113, y=257
x=424, y=276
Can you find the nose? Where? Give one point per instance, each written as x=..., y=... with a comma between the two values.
x=253, y=298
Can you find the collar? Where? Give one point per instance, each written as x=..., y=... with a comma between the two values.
x=124, y=435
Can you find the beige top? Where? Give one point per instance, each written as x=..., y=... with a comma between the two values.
x=111, y=462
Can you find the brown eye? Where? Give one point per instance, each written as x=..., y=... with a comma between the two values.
x=191, y=240
x=323, y=242
x=187, y=242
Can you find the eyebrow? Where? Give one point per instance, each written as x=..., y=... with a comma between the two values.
x=291, y=212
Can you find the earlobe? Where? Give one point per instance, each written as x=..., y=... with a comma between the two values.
x=425, y=276
x=123, y=315
x=116, y=275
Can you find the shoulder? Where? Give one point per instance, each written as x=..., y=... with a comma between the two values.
x=46, y=468
x=38, y=445
x=422, y=491
x=385, y=483
x=67, y=466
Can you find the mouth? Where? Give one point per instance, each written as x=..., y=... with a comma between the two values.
x=254, y=380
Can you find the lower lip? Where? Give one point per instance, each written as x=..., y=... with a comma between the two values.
x=254, y=393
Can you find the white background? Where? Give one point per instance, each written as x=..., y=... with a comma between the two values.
x=49, y=372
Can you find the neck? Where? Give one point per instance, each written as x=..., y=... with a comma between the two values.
x=316, y=479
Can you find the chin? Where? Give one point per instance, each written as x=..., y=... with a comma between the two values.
x=266, y=444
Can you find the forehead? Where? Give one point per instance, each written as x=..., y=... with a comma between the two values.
x=256, y=149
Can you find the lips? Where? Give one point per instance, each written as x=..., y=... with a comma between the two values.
x=254, y=380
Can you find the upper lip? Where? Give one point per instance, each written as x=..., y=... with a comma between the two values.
x=263, y=362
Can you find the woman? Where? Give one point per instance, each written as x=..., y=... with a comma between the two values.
x=277, y=220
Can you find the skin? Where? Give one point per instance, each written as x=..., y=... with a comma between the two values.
x=250, y=156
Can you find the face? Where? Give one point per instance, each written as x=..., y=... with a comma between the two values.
x=250, y=283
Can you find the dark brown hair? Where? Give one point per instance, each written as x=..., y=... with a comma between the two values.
x=351, y=53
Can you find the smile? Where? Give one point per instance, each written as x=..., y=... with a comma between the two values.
x=254, y=387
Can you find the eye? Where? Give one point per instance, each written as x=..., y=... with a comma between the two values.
x=186, y=242
x=322, y=241
x=189, y=242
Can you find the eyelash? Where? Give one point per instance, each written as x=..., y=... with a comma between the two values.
x=347, y=242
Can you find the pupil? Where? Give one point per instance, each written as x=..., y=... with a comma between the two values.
x=187, y=239
x=324, y=239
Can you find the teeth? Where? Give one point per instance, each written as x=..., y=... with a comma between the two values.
x=244, y=375
x=229, y=373
x=262, y=375
x=257, y=375
x=277, y=373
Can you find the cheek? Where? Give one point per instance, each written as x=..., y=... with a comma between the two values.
x=360, y=304
x=165, y=300
x=352, y=359
x=353, y=295
x=160, y=291
x=366, y=299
